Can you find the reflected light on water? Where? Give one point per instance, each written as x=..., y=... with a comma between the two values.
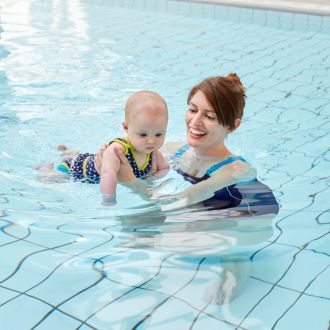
x=70, y=11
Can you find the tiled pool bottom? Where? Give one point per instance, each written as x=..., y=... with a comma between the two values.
x=66, y=268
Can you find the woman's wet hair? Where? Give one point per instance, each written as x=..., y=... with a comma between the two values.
x=226, y=96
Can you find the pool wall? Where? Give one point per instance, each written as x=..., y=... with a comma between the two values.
x=266, y=17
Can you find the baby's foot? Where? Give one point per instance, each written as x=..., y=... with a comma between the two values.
x=43, y=166
x=62, y=147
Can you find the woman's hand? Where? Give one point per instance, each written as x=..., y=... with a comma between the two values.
x=125, y=171
x=99, y=158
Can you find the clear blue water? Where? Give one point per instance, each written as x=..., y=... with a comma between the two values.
x=66, y=69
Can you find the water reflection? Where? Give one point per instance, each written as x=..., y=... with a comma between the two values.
x=69, y=13
x=227, y=237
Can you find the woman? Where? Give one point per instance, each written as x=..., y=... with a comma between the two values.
x=223, y=185
x=219, y=179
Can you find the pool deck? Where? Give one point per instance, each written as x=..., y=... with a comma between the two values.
x=317, y=7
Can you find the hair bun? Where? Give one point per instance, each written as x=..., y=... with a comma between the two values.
x=234, y=78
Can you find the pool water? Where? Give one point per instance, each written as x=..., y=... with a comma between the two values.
x=66, y=69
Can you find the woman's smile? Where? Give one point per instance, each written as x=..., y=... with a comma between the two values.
x=196, y=134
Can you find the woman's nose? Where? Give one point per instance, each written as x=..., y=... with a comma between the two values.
x=196, y=119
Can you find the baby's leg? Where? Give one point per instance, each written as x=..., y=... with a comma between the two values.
x=67, y=153
x=47, y=173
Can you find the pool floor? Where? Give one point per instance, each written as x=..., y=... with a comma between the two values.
x=66, y=68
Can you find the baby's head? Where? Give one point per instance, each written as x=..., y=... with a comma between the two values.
x=146, y=118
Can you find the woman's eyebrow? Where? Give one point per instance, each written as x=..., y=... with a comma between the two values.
x=194, y=105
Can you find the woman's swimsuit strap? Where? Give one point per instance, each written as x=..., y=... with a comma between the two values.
x=180, y=152
x=214, y=167
x=229, y=160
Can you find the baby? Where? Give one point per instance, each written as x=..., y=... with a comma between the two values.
x=145, y=124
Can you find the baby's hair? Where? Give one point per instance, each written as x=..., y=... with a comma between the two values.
x=153, y=98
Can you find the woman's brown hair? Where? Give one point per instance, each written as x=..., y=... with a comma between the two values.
x=226, y=95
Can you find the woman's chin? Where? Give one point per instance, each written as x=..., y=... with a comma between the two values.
x=195, y=141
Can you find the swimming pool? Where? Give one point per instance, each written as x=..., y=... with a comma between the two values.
x=66, y=69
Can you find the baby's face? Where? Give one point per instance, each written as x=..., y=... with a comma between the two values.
x=146, y=132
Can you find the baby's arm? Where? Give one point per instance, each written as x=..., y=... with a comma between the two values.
x=110, y=168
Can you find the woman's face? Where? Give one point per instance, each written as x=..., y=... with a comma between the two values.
x=204, y=133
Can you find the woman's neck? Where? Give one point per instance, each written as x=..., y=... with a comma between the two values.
x=220, y=152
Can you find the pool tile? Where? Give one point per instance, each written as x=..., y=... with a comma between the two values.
x=22, y=308
x=207, y=322
x=6, y=295
x=66, y=281
x=18, y=251
x=240, y=306
x=59, y=320
x=320, y=245
x=323, y=217
x=267, y=83
x=127, y=311
x=259, y=17
x=281, y=298
x=221, y=12
x=300, y=317
x=316, y=263
x=296, y=236
x=315, y=23
x=172, y=314
x=267, y=268
x=234, y=14
x=273, y=19
x=319, y=286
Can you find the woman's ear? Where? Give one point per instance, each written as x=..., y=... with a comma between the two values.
x=237, y=122
x=125, y=127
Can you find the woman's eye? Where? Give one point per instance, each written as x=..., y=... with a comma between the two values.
x=192, y=110
x=210, y=117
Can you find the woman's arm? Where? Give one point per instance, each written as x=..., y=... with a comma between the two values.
x=169, y=149
x=228, y=175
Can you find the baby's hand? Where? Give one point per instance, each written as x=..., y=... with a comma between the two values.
x=108, y=200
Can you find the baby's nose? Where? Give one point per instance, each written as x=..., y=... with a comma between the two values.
x=150, y=140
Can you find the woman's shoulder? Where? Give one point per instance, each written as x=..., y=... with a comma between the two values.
x=236, y=167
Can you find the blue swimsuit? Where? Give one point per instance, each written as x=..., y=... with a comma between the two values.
x=250, y=196
x=82, y=166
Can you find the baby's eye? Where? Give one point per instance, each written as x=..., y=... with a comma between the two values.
x=159, y=134
x=143, y=134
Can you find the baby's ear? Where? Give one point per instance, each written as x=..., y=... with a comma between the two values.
x=125, y=127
